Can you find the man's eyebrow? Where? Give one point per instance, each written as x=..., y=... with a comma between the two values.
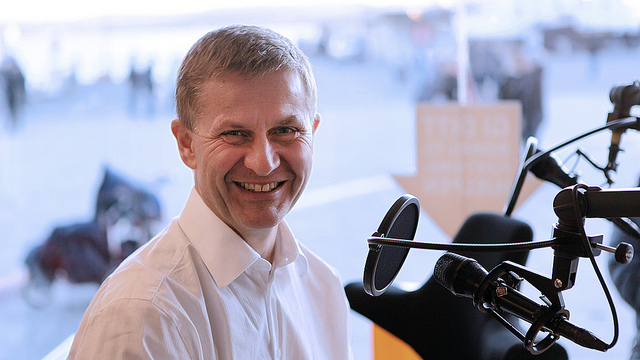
x=293, y=119
x=232, y=124
x=229, y=124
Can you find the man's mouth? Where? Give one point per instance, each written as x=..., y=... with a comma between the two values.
x=259, y=187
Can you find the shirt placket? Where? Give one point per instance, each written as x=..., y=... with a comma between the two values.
x=276, y=348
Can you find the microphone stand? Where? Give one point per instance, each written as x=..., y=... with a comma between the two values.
x=572, y=206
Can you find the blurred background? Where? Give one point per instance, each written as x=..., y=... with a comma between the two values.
x=87, y=87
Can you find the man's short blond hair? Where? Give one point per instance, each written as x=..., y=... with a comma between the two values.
x=246, y=50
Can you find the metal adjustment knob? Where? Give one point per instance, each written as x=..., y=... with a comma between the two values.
x=623, y=252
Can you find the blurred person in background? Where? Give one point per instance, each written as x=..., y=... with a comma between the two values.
x=227, y=279
x=141, y=90
x=13, y=83
x=501, y=70
x=523, y=81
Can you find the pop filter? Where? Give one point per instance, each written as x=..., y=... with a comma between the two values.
x=384, y=261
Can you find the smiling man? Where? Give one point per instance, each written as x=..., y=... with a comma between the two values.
x=227, y=279
x=252, y=160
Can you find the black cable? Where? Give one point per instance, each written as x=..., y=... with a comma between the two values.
x=530, y=162
x=587, y=246
x=610, y=125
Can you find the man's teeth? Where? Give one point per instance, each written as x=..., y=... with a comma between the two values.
x=259, y=188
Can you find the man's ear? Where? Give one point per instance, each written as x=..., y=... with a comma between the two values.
x=184, y=138
x=316, y=122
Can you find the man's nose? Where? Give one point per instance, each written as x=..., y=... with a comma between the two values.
x=262, y=157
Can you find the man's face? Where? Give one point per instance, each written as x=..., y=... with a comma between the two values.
x=251, y=148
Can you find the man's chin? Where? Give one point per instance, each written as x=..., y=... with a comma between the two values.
x=261, y=220
x=263, y=224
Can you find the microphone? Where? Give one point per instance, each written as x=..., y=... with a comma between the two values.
x=465, y=277
x=551, y=169
x=622, y=98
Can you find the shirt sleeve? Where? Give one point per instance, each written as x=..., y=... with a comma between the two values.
x=130, y=329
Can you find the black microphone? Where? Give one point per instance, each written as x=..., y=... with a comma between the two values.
x=622, y=98
x=551, y=169
x=464, y=276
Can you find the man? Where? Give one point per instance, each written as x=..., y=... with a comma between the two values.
x=227, y=279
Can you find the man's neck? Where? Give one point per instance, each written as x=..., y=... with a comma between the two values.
x=263, y=241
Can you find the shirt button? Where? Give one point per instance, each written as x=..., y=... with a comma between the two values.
x=279, y=354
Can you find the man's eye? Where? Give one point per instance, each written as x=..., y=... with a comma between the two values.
x=285, y=130
x=234, y=136
x=285, y=134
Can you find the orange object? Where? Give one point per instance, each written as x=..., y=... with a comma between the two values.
x=387, y=346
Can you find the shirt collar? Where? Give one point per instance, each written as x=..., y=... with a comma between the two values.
x=224, y=252
x=288, y=250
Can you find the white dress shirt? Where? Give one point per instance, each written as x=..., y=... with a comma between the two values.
x=198, y=291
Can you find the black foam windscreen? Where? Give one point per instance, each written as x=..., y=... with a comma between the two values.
x=551, y=169
x=384, y=261
x=458, y=274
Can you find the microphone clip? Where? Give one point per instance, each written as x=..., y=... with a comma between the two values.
x=553, y=307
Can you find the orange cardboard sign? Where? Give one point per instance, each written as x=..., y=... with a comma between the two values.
x=467, y=159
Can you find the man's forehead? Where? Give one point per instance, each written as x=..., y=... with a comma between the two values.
x=240, y=77
x=233, y=100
